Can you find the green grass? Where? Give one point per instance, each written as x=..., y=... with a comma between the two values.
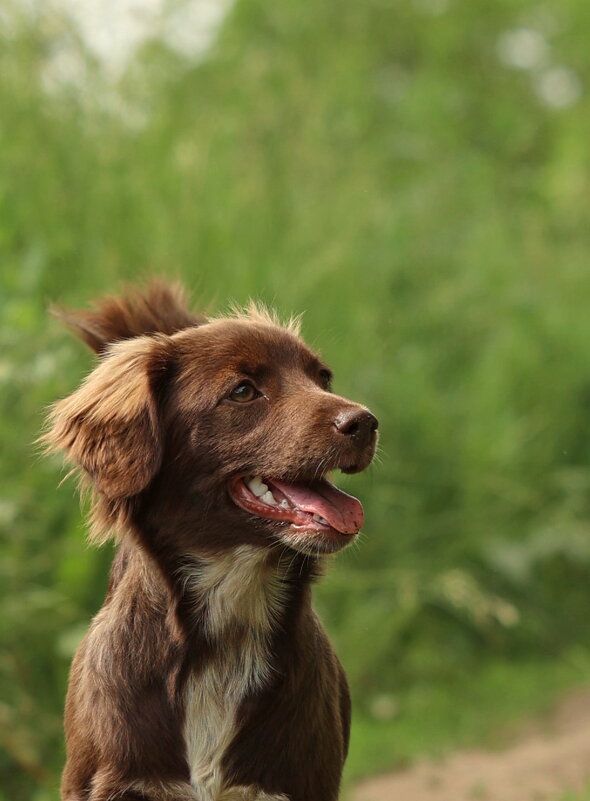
x=482, y=708
x=571, y=796
x=376, y=166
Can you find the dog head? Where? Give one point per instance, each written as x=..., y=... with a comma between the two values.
x=225, y=428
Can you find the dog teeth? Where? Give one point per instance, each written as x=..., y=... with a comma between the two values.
x=268, y=498
x=257, y=486
x=284, y=504
x=321, y=520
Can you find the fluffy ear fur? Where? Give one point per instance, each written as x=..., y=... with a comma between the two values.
x=157, y=308
x=109, y=427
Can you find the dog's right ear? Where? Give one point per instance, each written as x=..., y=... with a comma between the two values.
x=110, y=426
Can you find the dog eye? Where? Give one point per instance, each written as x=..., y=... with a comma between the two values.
x=326, y=379
x=244, y=393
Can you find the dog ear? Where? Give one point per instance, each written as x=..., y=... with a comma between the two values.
x=110, y=426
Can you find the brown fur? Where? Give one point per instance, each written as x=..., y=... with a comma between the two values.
x=206, y=674
x=160, y=308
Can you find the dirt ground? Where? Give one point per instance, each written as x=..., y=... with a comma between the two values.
x=552, y=757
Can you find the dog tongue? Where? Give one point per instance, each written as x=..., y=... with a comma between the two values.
x=342, y=511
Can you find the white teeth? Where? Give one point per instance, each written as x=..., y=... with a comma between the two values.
x=268, y=498
x=257, y=486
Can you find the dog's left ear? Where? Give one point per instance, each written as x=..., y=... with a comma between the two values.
x=110, y=426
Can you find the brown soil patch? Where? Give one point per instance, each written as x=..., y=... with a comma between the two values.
x=552, y=758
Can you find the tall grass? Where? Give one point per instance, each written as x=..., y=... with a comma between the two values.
x=375, y=165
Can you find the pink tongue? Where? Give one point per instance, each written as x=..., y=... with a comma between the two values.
x=342, y=511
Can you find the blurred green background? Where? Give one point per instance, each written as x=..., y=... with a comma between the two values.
x=414, y=175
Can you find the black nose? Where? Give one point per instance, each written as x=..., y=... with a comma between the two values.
x=357, y=423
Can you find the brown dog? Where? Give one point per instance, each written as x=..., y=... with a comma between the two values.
x=206, y=675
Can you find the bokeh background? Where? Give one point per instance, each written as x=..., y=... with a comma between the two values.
x=414, y=175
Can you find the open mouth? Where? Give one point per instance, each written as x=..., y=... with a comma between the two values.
x=317, y=506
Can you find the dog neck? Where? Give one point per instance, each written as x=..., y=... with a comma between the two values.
x=216, y=593
x=239, y=588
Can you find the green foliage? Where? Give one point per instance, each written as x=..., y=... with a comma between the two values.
x=457, y=709
x=377, y=166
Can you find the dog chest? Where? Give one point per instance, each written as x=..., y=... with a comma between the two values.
x=239, y=600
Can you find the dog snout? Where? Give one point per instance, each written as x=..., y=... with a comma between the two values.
x=359, y=424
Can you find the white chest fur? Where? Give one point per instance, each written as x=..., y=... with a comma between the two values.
x=242, y=593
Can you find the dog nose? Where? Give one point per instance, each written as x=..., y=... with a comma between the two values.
x=357, y=423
